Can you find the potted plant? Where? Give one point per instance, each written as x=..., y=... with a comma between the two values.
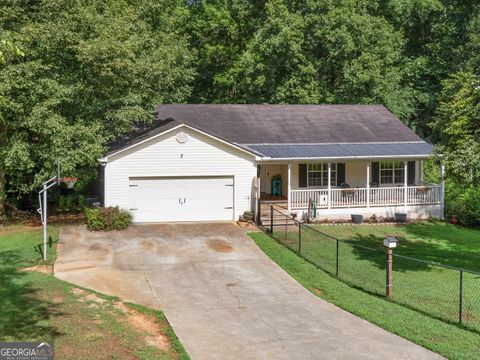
x=400, y=217
x=356, y=218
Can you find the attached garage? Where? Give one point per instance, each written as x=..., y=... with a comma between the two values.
x=181, y=174
x=182, y=199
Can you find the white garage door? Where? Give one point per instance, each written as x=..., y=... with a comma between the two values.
x=181, y=199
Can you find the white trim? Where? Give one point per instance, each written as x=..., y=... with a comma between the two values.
x=405, y=183
x=368, y=184
x=321, y=171
x=289, y=186
x=105, y=158
x=393, y=183
x=442, y=190
x=329, y=181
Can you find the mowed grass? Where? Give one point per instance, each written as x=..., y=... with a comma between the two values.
x=446, y=339
x=36, y=306
x=434, y=290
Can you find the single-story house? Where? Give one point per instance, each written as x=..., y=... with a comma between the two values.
x=214, y=162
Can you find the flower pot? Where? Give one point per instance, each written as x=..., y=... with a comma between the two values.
x=357, y=219
x=454, y=220
x=400, y=217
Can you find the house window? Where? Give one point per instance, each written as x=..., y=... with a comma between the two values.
x=317, y=175
x=392, y=172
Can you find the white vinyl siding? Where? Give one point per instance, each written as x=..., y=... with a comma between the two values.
x=164, y=156
x=355, y=174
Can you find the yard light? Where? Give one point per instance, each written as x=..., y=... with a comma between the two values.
x=390, y=243
x=42, y=200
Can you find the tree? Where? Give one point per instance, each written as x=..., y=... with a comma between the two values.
x=8, y=51
x=457, y=128
x=91, y=69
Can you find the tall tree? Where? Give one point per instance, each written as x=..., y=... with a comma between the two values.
x=8, y=52
x=457, y=127
x=91, y=69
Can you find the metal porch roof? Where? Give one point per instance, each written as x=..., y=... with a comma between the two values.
x=339, y=151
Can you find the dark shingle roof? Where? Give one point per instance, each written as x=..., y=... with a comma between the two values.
x=289, y=124
x=283, y=124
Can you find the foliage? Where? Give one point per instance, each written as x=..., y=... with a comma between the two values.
x=62, y=203
x=81, y=202
x=109, y=218
x=90, y=70
x=464, y=202
x=457, y=126
x=69, y=203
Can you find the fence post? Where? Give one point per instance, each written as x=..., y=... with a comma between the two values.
x=336, y=267
x=389, y=273
x=271, y=220
x=299, y=237
x=460, y=305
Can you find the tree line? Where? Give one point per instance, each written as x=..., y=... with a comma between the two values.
x=76, y=74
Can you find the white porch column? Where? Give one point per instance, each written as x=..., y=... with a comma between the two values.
x=289, y=192
x=420, y=164
x=368, y=184
x=405, y=184
x=442, y=190
x=329, y=185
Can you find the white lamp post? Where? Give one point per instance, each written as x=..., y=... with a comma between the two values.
x=42, y=200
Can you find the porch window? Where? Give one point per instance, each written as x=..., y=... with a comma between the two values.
x=392, y=172
x=317, y=175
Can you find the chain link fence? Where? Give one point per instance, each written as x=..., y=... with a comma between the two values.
x=444, y=292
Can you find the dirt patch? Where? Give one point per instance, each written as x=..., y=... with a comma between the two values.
x=149, y=245
x=96, y=247
x=318, y=292
x=146, y=324
x=219, y=246
x=58, y=299
x=44, y=269
x=13, y=229
x=86, y=296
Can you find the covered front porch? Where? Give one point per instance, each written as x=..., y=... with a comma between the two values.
x=335, y=185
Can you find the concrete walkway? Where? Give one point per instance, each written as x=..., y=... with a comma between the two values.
x=224, y=298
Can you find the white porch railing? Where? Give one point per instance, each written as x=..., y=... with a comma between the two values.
x=357, y=197
x=299, y=198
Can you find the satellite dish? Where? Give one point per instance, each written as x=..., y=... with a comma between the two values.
x=182, y=137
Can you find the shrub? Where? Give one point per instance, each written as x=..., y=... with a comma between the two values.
x=465, y=203
x=62, y=203
x=109, y=218
x=69, y=203
x=81, y=202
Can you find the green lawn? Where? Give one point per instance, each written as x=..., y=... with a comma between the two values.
x=37, y=306
x=446, y=339
x=431, y=289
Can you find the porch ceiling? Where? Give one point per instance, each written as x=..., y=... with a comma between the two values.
x=420, y=149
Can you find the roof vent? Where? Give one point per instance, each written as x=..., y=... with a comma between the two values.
x=182, y=137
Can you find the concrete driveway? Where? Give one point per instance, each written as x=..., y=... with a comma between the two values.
x=224, y=298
